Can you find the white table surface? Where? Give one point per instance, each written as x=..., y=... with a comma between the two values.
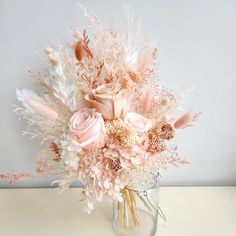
x=191, y=211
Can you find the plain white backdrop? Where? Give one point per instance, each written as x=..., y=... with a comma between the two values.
x=196, y=41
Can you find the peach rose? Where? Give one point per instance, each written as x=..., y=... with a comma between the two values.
x=137, y=122
x=111, y=101
x=88, y=127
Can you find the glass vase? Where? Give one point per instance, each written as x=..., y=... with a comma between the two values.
x=138, y=213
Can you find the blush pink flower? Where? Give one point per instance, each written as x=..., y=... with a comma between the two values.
x=110, y=100
x=101, y=180
x=128, y=156
x=137, y=122
x=88, y=127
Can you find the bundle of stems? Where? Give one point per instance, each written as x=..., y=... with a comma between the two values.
x=127, y=209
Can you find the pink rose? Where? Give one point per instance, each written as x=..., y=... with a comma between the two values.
x=111, y=101
x=88, y=127
x=137, y=122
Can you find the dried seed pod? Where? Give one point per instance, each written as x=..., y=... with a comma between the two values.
x=54, y=148
x=48, y=50
x=134, y=76
x=79, y=50
x=52, y=59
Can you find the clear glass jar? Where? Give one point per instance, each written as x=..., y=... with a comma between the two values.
x=138, y=213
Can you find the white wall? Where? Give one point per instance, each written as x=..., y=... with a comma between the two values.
x=196, y=41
